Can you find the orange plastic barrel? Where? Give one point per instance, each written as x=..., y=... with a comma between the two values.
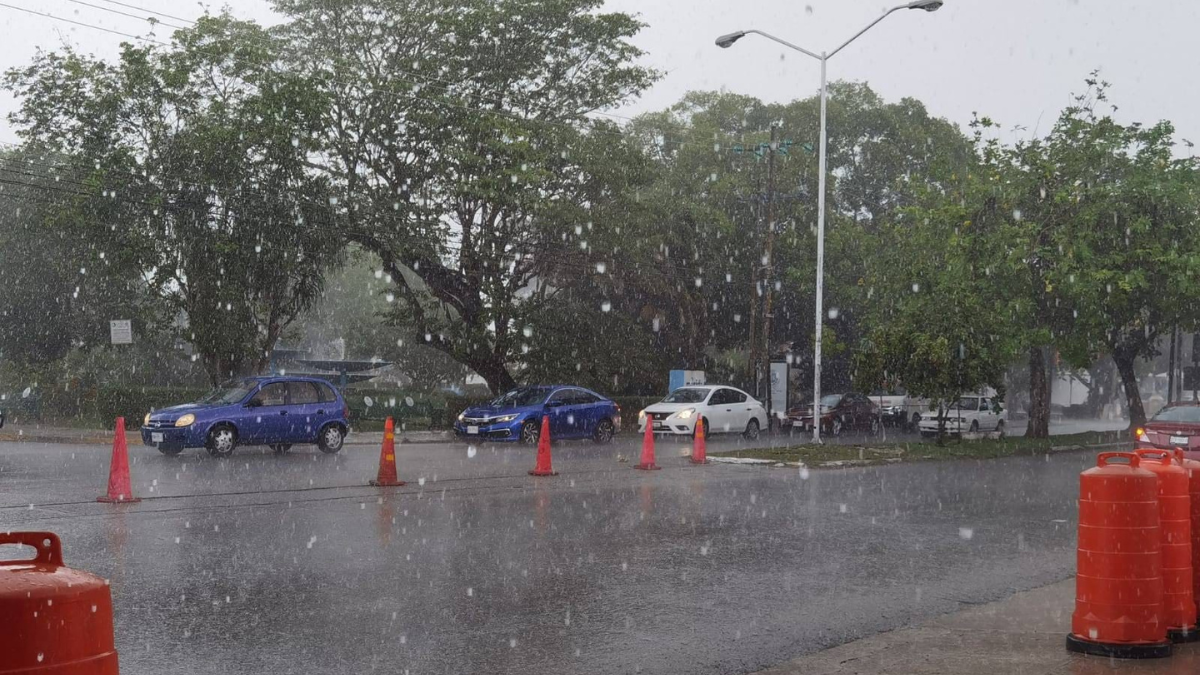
x=1193, y=468
x=53, y=620
x=1118, y=582
x=1175, y=524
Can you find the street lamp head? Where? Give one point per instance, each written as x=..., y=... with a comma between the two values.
x=726, y=41
x=927, y=5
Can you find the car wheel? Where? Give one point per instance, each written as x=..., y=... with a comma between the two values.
x=603, y=434
x=751, y=432
x=1000, y=429
x=974, y=426
x=222, y=440
x=330, y=439
x=835, y=427
x=530, y=432
x=171, y=451
x=281, y=448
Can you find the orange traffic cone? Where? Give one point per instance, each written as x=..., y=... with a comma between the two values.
x=387, y=458
x=120, y=488
x=699, y=447
x=647, y=463
x=543, y=457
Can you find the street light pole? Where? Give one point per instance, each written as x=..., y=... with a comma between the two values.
x=820, y=303
x=726, y=41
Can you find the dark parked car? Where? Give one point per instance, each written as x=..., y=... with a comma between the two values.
x=574, y=412
x=1175, y=426
x=840, y=412
x=274, y=411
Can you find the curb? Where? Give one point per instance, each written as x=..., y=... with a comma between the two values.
x=858, y=463
x=107, y=440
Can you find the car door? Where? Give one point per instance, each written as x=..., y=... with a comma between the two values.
x=265, y=419
x=558, y=410
x=303, y=420
x=589, y=408
x=720, y=413
x=741, y=409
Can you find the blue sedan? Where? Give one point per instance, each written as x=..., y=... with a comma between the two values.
x=274, y=411
x=574, y=412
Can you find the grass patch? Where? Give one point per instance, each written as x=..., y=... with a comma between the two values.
x=886, y=452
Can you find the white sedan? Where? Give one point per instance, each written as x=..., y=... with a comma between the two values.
x=723, y=410
x=972, y=414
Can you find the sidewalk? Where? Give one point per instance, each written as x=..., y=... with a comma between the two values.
x=1024, y=634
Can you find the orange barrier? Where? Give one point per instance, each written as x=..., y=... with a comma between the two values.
x=647, y=463
x=1175, y=524
x=543, y=468
x=120, y=488
x=1193, y=469
x=387, y=476
x=699, y=446
x=57, y=621
x=1119, y=584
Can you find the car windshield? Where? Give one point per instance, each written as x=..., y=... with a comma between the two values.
x=520, y=397
x=830, y=400
x=687, y=395
x=230, y=392
x=1180, y=413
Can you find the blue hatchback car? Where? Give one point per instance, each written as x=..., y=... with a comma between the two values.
x=574, y=412
x=274, y=411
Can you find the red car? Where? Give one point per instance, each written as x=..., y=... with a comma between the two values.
x=840, y=412
x=1175, y=426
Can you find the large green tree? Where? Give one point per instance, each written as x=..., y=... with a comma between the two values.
x=460, y=141
x=205, y=146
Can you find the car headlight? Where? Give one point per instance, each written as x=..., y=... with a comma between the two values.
x=1142, y=436
x=505, y=418
x=461, y=415
x=641, y=414
x=186, y=420
x=687, y=414
x=146, y=420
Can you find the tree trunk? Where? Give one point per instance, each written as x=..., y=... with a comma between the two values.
x=1133, y=396
x=491, y=368
x=1039, y=396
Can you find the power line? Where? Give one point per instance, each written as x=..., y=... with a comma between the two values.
x=151, y=20
x=81, y=23
x=147, y=11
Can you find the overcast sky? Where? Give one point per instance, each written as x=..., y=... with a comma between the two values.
x=1015, y=60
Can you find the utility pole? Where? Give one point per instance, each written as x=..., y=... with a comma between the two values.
x=754, y=300
x=762, y=270
x=1171, y=366
x=768, y=268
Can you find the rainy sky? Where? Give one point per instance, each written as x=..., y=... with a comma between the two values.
x=1016, y=61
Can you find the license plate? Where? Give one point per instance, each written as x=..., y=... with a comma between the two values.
x=472, y=430
x=156, y=438
x=659, y=425
x=1179, y=440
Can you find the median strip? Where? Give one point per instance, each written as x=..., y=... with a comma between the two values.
x=883, y=452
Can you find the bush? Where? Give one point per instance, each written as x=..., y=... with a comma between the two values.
x=394, y=403
x=132, y=402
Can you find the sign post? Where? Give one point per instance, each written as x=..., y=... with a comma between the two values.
x=121, y=331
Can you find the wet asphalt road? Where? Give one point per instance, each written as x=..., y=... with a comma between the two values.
x=290, y=564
